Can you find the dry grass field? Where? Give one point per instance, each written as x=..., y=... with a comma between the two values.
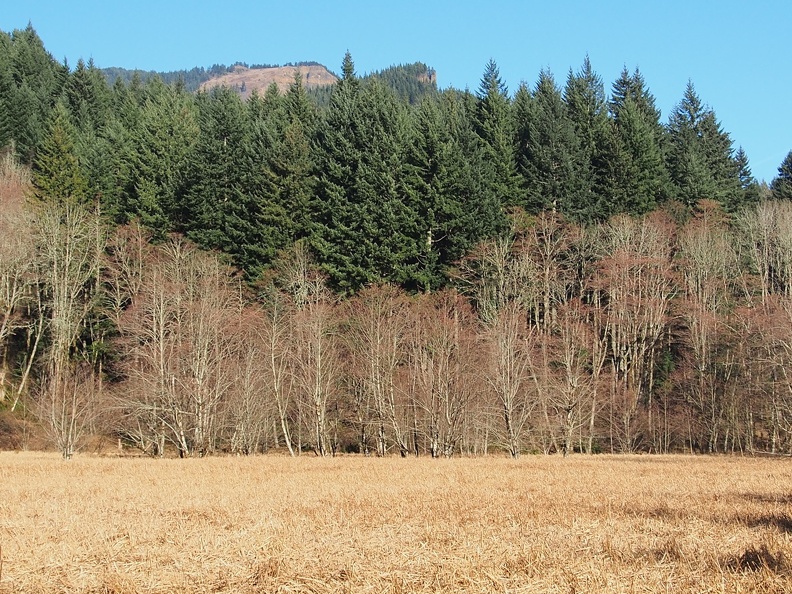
x=273, y=524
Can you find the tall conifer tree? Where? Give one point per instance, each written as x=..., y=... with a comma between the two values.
x=364, y=231
x=781, y=186
x=495, y=128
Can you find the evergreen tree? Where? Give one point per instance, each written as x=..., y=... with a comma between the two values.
x=57, y=176
x=37, y=84
x=584, y=96
x=750, y=187
x=443, y=177
x=223, y=215
x=781, y=187
x=700, y=154
x=363, y=231
x=279, y=168
x=555, y=167
x=88, y=97
x=495, y=128
x=6, y=91
x=163, y=146
x=633, y=174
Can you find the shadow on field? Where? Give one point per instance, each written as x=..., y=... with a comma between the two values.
x=781, y=522
x=776, y=518
x=767, y=498
x=753, y=560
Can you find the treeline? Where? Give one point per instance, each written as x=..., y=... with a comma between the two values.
x=191, y=79
x=555, y=270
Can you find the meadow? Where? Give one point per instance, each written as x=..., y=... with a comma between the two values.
x=391, y=525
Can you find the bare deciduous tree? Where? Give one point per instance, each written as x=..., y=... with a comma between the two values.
x=70, y=242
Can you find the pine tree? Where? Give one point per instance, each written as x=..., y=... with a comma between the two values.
x=6, y=91
x=279, y=167
x=88, y=97
x=633, y=174
x=584, y=96
x=37, y=85
x=163, y=146
x=750, y=187
x=223, y=215
x=443, y=177
x=781, y=187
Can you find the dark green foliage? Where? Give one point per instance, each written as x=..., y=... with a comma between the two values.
x=57, y=176
x=584, y=96
x=191, y=79
x=444, y=179
x=554, y=167
x=161, y=157
x=495, y=127
x=700, y=155
x=6, y=91
x=31, y=82
x=88, y=97
x=750, y=187
x=388, y=179
x=781, y=186
x=216, y=213
x=363, y=230
x=278, y=162
x=410, y=82
x=633, y=175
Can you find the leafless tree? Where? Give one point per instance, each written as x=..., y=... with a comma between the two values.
x=636, y=278
x=70, y=242
x=180, y=334
x=376, y=338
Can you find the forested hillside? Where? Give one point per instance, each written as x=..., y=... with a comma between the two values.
x=386, y=268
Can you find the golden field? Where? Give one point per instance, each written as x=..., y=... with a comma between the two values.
x=350, y=524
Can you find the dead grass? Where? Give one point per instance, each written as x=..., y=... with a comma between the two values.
x=273, y=524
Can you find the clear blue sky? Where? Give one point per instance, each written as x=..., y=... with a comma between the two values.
x=735, y=52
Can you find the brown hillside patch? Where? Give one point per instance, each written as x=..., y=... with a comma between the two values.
x=14, y=184
x=261, y=78
x=274, y=524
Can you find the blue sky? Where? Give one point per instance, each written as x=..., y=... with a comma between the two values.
x=735, y=52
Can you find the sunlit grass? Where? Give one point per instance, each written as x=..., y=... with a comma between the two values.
x=274, y=524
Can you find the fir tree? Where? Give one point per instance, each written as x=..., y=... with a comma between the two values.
x=555, y=167
x=57, y=175
x=363, y=231
x=749, y=185
x=163, y=146
x=495, y=128
x=781, y=187
x=700, y=154
x=443, y=177
x=633, y=171
x=584, y=96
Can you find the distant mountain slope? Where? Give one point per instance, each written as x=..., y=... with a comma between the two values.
x=192, y=78
x=245, y=79
x=409, y=81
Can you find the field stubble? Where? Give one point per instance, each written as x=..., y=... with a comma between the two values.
x=274, y=524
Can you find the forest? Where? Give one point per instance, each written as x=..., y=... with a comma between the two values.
x=384, y=268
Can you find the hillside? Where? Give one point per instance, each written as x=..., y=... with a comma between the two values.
x=247, y=79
